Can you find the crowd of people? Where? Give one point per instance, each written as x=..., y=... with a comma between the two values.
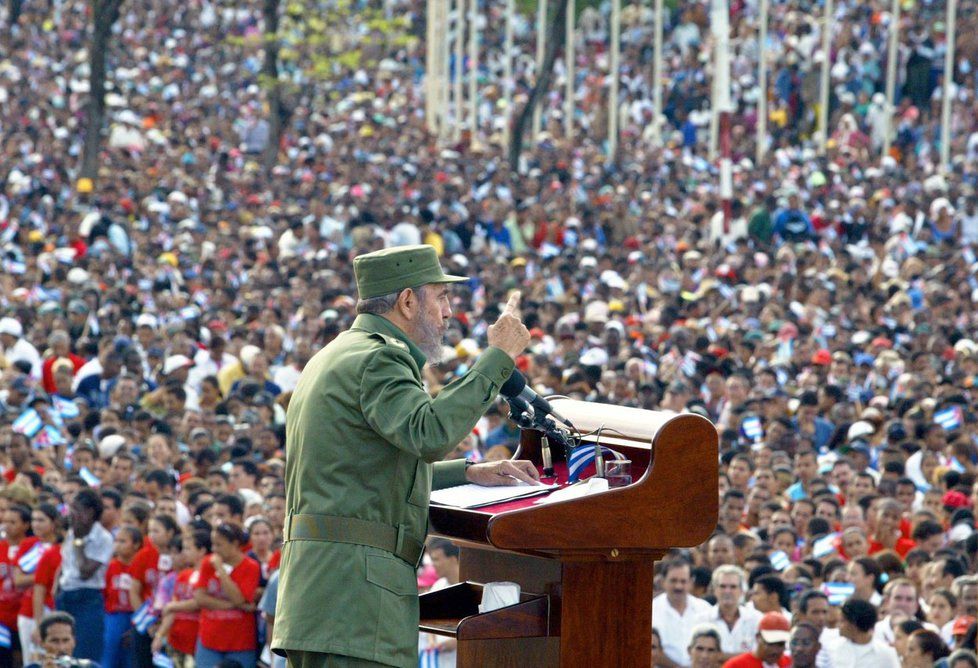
x=155, y=319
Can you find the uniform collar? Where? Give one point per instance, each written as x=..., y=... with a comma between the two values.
x=376, y=323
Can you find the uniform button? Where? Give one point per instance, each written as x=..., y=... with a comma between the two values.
x=503, y=374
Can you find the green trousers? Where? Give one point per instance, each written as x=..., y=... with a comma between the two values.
x=300, y=659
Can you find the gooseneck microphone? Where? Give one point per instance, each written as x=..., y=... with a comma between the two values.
x=516, y=388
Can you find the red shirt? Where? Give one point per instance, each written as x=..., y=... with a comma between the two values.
x=10, y=594
x=183, y=633
x=748, y=660
x=27, y=600
x=903, y=545
x=47, y=568
x=144, y=569
x=274, y=561
x=118, y=578
x=47, y=371
x=229, y=630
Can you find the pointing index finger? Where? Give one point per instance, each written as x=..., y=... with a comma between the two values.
x=513, y=303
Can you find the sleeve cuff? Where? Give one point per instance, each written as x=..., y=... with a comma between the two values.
x=495, y=365
x=449, y=474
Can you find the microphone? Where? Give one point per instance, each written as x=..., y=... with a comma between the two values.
x=516, y=388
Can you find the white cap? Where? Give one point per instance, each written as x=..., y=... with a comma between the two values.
x=248, y=354
x=174, y=362
x=77, y=275
x=858, y=429
x=147, y=320
x=110, y=445
x=12, y=327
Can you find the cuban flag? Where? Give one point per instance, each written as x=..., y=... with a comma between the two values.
x=29, y=560
x=89, y=477
x=49, y=437
x=428, y=658
x=838, y=592
x=780, y=560
x=690, y=359
x=161, y=660
x=144, y=618
x=582, y=456
x=6, y=640
x=950, y=418
x=752, y=429
x=28, y=423
x=824, y=546
x=66, y=408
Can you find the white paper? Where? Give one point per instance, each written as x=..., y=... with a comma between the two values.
x=592, y=486
x=497, y=595
x=473, y=496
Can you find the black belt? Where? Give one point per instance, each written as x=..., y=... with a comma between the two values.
x=333, y=529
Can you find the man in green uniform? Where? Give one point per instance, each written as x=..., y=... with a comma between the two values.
x=362, y=435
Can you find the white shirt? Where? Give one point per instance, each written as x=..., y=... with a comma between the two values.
x=98, y=546
x=743, y=636
x=287, y=377
x=204, y=365
x=677, y=630
x=874, y=654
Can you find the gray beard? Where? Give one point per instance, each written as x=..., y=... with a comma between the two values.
x=430, y=341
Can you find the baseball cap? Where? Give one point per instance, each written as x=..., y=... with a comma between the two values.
x=12, y=327
x=961, y=625
x=174, y=362
x=774, y=628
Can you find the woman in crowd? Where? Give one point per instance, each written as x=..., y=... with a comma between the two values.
x=225, y=592
x=924, y=649
x=15, y=582
x=262, y=539
x=149, y=566
x=46, y=525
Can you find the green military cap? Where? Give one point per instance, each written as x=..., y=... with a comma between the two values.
x=387, y=271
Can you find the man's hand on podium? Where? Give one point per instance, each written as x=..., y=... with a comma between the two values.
x=505, y=472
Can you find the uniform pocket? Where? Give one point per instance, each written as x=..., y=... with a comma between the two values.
x=421, y=489
x=392, y=574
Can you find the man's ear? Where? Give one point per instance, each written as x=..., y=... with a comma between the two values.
x=407, y=304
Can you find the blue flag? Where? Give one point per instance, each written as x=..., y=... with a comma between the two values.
x=582, y=456
x=144, y=618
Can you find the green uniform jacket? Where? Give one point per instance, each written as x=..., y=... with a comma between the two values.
x=362, y=434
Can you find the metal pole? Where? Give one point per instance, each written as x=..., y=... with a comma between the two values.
x=657, y=66
x=613, y=84
x=541, y=54
x=446, y=75
x=430, y=86
x=473, y=70
x=569, y=66
x=458, y=70
x=762, y=85
x=724, y=107
x=823, y=97
x=508, y=73
x=892, y=58
x=947, y=88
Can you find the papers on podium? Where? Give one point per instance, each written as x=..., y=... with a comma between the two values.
x=474, y=496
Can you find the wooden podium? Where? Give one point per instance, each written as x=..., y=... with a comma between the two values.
x=585, y=566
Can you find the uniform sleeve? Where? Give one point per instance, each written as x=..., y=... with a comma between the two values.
x=448, y=474
x=396, y=406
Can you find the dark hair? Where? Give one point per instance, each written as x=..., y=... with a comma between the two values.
x=216, y=470
x=89, y=498
x=232, y=533
x=859, y=613
x=871, y=567
x=202, y=540
x=773, y=584
x=233, y=502
x=134, y=533
x=25, y=515
x=448, y=547
x=807, y=596
x=249, y=467
x=140, y=511
x=160, y=477
x=53, y=618
x=926, y=529
x=168, y=523
x=930, y=643
x=908, y=626
x=109, y=493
